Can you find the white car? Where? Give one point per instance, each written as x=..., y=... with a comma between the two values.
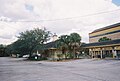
x=26, y=56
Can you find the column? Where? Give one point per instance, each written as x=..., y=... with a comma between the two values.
x=101, y=54
x=90, y=52
x=93, y=53
x=114, y=52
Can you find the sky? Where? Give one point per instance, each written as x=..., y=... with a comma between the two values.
x=117, y=2
x=58, y=16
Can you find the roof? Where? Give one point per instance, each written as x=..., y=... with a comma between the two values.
x=100, y=44
x=51, y=45
x=107, y=27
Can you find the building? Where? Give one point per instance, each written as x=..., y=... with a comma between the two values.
x=109, y=48
x=112, y=32
x=51, y=49
x=96, y=49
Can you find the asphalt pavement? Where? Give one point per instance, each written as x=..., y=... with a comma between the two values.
x=16, y=69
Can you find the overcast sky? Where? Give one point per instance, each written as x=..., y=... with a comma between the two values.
x=58, y=16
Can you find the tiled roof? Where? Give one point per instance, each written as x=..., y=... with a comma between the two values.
x=107, y=27
x=105, y=43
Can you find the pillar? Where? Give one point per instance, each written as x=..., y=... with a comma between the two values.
x=101, y=53
x=114, y=52
x=90, y=52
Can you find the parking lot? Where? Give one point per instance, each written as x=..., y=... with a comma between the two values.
x=15, y=69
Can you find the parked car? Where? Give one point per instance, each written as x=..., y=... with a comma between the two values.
x=26, y=56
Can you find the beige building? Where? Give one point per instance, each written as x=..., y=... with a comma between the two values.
x=112, y=32
x=51, y=50
x=95, y=49
x=104, y=49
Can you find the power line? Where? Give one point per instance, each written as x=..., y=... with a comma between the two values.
x=93, y=14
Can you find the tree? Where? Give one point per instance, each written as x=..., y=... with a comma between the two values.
x=104, y=39
x=63, y=43
x=75, y=43
x=18, y=47
x=9, y=49
x=31, y=38
x=2, y=50
x=70, y=43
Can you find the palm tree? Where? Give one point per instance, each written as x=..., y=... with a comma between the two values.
x=63, y=43
x=69, y=42
x=75, y=43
